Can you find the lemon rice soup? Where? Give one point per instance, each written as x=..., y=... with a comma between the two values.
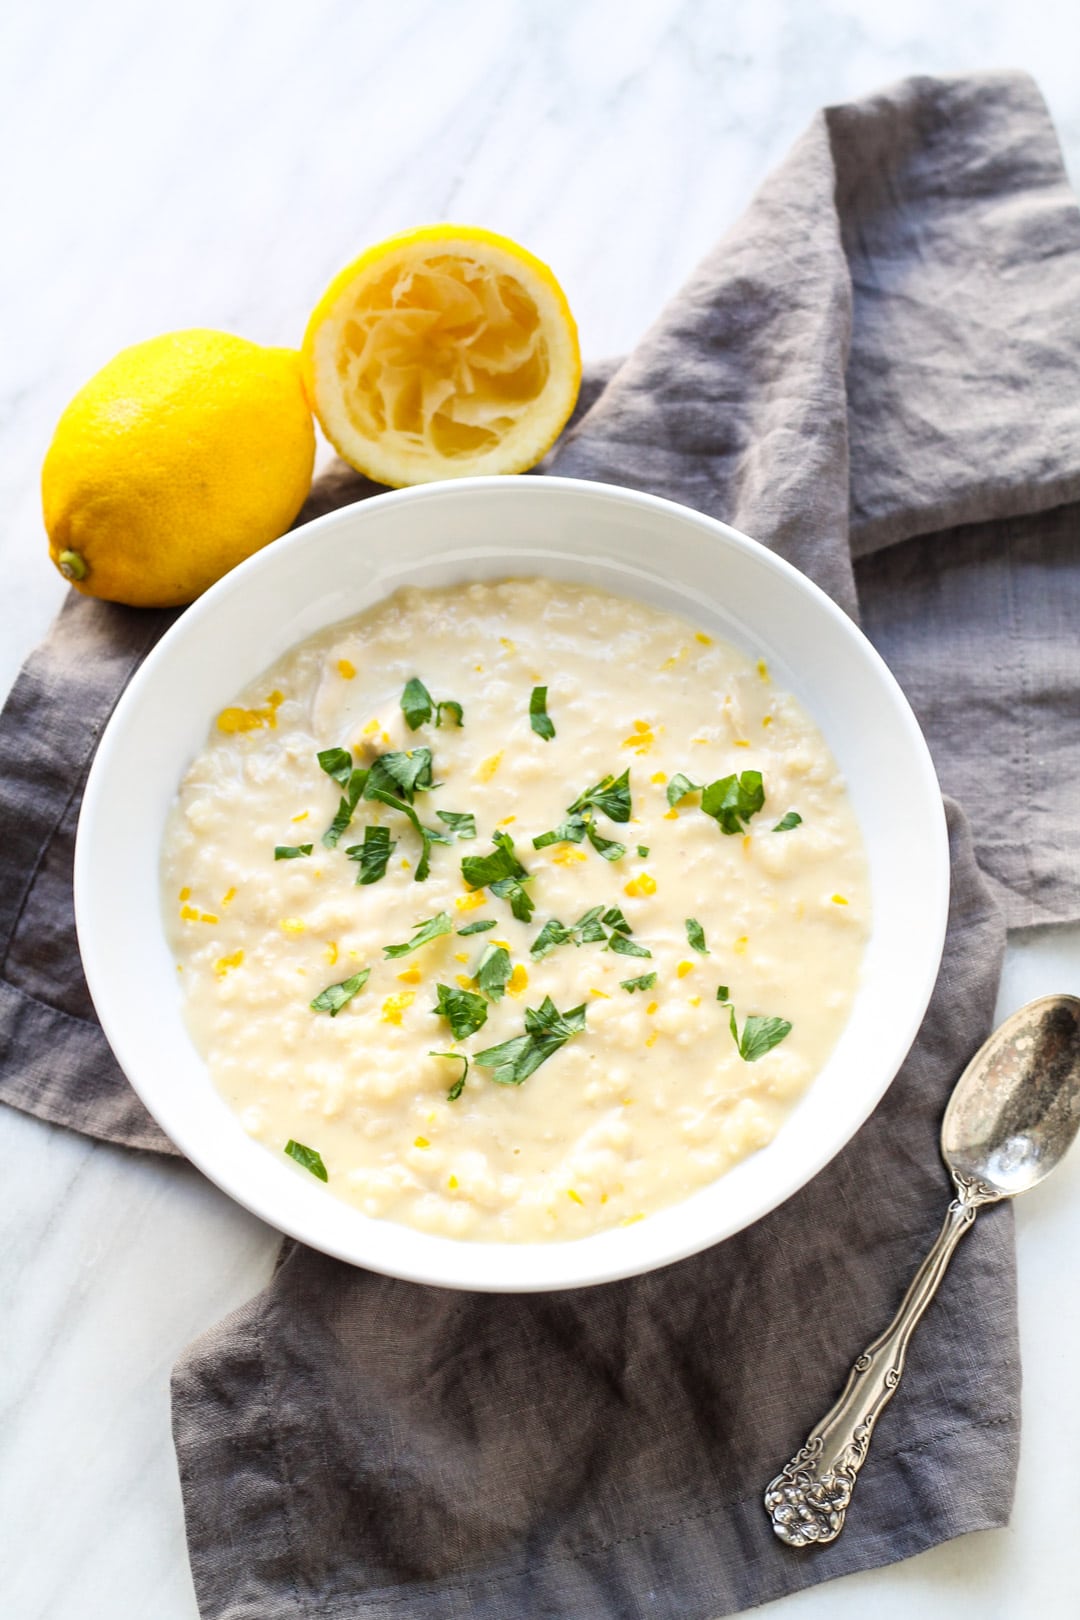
x=514, y=911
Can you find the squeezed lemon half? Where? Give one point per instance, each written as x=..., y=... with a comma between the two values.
x=444, y=352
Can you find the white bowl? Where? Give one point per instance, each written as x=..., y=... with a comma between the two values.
x=488, y=528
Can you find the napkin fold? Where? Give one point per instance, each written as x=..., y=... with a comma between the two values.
x=877, y=373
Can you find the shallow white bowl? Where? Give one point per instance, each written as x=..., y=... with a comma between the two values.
x=437, y=534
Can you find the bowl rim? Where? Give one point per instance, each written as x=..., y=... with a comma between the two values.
x=437, y=1272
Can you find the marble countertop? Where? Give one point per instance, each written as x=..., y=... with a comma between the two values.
x=213, y=164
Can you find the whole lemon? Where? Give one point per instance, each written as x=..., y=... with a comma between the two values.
x=176, y=461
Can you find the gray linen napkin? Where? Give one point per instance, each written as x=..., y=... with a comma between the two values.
x=877, y=373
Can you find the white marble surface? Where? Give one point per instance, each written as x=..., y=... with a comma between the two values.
x=212, y=164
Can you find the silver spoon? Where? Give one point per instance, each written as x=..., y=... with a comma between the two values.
x=1011, y=1118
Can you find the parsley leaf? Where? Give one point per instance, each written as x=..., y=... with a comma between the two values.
x=336, y=762
x=336, y=996
x=423, y=934
x=785, y=824
x=354, y=784
x=460, y=822
x=643, y=850
x=614, y=918
x=626, y=947
x=502, y=873
x=645, y=982
x=480, y=927
x=546, y=1030
x=538, y=715
x=428, y=835
x=587, y=930
x=492, y=972
x=405, y=774
x=291, y=852
x=759, y=1034
x=310, y=1158
x=459, y=1084
x=463, y=1010
x=679, y=787
x=732, y=800
x=454, y=710
x=696, y=935
x=609, y=848
x=567, y=832
x=416, y=703
x=610, y=795
x=372, y=854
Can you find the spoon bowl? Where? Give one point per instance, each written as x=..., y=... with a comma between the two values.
x=1015, y=1110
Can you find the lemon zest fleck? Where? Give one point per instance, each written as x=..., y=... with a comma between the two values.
x=644, y=883
x=651, y=1008
x=487, y=768
x=706, y=641
x=224, y=963
x=658, y=777
x=567, y=855
x=371, y=728
x=465, y=982
x=684, y=968
x=506, y=820
x=518, y=980
x=292, y=925
x=763, y=669
x=331, y=952
x=410, y=976
x=453, y=1183
x=422, y=1142
x=461, y=956
x=740, y=945
x=838, y=900
x=185, y=893
x=694, y=1001
x=601, y=993
x=209, y=917
x=671, y=815
x=394, y=1006
x=469, y=902
x=767, y=720
x=301, y=817
x=630, y=1219
x=570, y=1193
x=346, y=669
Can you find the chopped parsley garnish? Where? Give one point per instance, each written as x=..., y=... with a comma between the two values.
x=696, y=935
x=626, y=947
x=463, y=1010
x=609, y=848
x=336, y=762
x=462, y=823
x=423, y=934
x=645, y=982
x=335, y=996
x=418, y=705
x=759, y=1034
x=354, y=783
x=567, y=832
x=403, y=773
x=679, y=787
x=614, y=918
x=428, y=835
x=492, y=972
x=546, y=1030
x=538, y=715
x=611, y=795
x=785, y=824
x=291, y=852
x=503, y=874
x=587, y=930
x=309, y=1158
x=480, y=927
x=643, y=850
x=372, y=854
x=732, y=800
x=459, y=1084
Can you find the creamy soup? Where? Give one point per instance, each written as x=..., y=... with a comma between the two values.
x=467, y=1033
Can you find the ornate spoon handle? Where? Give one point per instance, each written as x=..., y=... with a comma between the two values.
x=808, y=1500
